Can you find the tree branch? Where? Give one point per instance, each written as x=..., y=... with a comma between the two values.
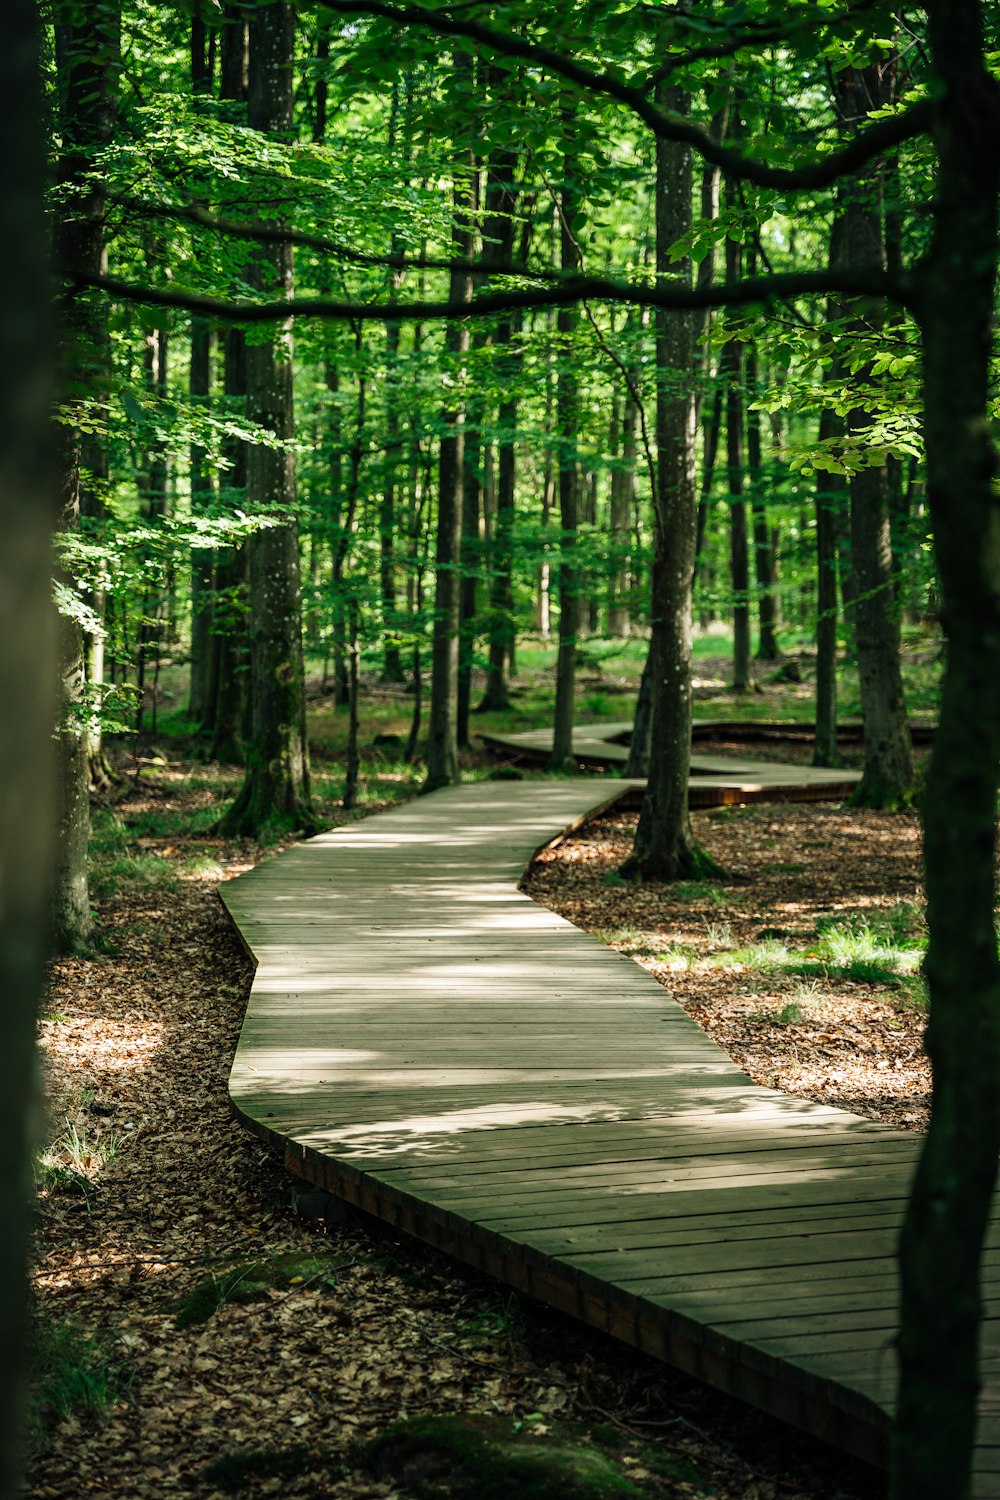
x=757, y=290
x=821, y=172
x=271, y=233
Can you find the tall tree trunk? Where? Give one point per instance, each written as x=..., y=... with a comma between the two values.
x=498, y=241
x=230, y=645
x=942, y=1239
x=625, y=419
x=230, y=642
x=88, y=54
x=888, y=778
x=664, y=846
x=831, y=504
x=201, y=705
x=763, y=546
x=739, y=558
x=442, y=734
x=471, y=548
x=276, y=785
x=567, y=420
x=28, y=671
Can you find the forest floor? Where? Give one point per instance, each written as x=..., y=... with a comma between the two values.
x=256, y=1351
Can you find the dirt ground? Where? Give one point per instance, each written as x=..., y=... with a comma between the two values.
x=306, y=1337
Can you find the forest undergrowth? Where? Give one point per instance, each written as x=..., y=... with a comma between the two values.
x=229, y=1341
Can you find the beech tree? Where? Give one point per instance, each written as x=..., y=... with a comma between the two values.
x=28, y=673
x=277, y=774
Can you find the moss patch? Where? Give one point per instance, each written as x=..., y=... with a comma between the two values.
x=489, y=1458
x=235, y=1471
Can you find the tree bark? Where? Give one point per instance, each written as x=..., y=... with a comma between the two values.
x=276, y=785
x=567, y=419
x=28, y=670
x=888, y=778
x=739, y=557
x=88, y=51
x=664, y=846
x=442, y=733
x=831, y=503
x=942, y=1240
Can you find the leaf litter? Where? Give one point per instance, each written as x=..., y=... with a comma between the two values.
x=320, y=1335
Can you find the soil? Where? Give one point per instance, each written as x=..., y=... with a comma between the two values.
x=259, y=1348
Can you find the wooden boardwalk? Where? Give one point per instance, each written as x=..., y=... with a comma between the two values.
x=431, y=1045
x=715, y=779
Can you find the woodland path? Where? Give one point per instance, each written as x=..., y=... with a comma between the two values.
x=429, y=1044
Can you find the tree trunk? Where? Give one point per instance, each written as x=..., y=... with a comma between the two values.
x=471, y=550
x=201, y=706
x=87, y=49
x=230, y=644
x=664, y=847
x=498, y=238
x=567, y=420
x=831, y=498
x=763, y=547
x=442, y=734
x=942, y=1239
x=276, y=785
x=27, y=678
x=888, y=779
x=622, y=501
x=739, y=558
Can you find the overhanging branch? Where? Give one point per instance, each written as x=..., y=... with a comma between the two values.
x=753, y=291
x=270, y=233
x=872, y=142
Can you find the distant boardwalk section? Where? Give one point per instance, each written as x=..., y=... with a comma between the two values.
x=427, y=1042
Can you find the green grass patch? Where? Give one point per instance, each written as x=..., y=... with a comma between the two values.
x=71, y=1371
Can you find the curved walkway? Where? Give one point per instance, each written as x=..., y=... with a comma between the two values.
x=431, y=1045
x=715, y=779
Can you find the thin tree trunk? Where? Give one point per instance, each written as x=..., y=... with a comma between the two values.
x=739, y=557
x=765, y=571
x=442, y=736
x=567, y=420
x=201, y=705
x=831, y=503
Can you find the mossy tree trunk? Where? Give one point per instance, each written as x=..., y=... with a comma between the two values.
x=942, y=1240
x=276, y=784
x=28, y=672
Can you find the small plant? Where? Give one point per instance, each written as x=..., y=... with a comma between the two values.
x=76, y=1156
x=765, y=957
x=71, y=1371
x=719, y=934
x=788, y=1015
x=677, y=956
